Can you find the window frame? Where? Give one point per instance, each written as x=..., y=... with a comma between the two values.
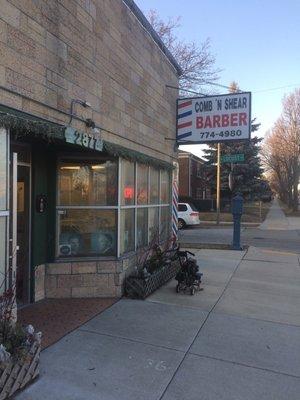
x=118, y=207
x=60, y=208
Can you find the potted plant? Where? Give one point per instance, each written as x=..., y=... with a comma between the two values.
x=155, y=266
x=19, y=349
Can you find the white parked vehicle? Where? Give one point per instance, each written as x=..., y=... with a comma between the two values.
x=187, y=215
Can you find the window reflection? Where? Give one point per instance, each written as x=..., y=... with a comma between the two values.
x=153, y=224
x=165, y=187
x=165, y=223
x=127, y=230
x=88, y=184
x=142, y=227
x=127, y=183
x=154, y=185
x=142, y=184
x=87, y=233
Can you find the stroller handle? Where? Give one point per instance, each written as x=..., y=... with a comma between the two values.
x=189, y=252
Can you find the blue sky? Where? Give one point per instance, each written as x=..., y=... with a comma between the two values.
x=255, y=42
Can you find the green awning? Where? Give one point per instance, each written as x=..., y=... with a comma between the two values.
x=133, y=155
x=23, y=124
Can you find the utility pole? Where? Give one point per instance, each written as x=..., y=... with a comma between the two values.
x=218, y=182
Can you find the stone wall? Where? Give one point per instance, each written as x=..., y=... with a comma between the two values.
x=94, y=50
x=82, y=279
x=39, y=282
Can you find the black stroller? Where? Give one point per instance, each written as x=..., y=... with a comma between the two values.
x=189, y=277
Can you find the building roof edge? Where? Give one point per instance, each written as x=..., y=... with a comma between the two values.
x=146, y=24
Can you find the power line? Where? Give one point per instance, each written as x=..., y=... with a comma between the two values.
x=228, y=87
x=276, y=88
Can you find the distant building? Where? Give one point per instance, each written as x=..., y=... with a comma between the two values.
x=193, y=180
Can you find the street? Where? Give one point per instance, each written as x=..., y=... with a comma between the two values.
x=277, y=232
x=237, y=339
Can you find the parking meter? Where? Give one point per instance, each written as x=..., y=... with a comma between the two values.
x=237, y=211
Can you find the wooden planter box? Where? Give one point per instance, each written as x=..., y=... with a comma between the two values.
x=16, y=376
x=140, y=288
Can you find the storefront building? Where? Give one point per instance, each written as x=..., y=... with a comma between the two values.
x=86, y=170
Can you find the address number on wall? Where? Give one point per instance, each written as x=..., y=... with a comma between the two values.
x=89, y=140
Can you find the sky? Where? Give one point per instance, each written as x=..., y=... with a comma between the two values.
x=255, y=43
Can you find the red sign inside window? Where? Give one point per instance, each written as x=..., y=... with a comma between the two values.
x=128, y=193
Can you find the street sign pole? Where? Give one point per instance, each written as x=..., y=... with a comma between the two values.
x=218, y=182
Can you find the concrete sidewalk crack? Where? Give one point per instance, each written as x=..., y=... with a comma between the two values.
x=274, y=262
x=131, y=340
x=256, y=319
x=202, y=325
x=246, y=365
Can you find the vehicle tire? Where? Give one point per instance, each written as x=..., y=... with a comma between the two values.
x=181, y=223
x=177, y=288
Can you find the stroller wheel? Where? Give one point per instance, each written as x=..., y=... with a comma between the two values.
x=192, y=290
x=177, y=288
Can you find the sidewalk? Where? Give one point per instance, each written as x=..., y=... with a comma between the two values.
x=237, y=339
x=276, y=219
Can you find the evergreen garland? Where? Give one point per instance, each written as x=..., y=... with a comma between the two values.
x=133, y=155
x=22, y=126
x=50, y=131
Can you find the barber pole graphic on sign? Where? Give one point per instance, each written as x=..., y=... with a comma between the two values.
x=184, y=119
x=207, y=119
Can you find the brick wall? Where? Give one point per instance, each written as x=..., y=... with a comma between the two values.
x=196, y=182
x=94, y=50
x=183, y=176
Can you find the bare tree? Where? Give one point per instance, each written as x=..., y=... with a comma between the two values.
x=281, y=154
x=196, y=61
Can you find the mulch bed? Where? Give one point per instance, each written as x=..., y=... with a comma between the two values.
x=57, y=317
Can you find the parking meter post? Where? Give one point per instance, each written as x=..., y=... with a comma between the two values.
x=237, y=211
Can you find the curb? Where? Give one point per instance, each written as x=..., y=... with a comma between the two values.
x=213, y=246
x=206, y=224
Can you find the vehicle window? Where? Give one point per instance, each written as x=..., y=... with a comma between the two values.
x=182, y=207
x=193, y=207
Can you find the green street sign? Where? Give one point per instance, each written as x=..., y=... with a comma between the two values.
x=233, y=158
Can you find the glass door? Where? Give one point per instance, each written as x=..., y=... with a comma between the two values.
x=23, y=234
x=20, y=237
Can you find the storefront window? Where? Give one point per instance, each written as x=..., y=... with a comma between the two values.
x=154, y=185
x=86, y=232
x=127, y=230
x=142, y=227
x=127, y=183
x=164, y=187
x=165, y=223
x=153, y=224
x=142, y=184
x=88, y=209
x=86, y=184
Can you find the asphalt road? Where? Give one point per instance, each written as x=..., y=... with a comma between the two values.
x=286, y=240
x=276, y=232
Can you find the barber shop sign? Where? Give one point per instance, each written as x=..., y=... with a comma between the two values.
x=219, y=118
